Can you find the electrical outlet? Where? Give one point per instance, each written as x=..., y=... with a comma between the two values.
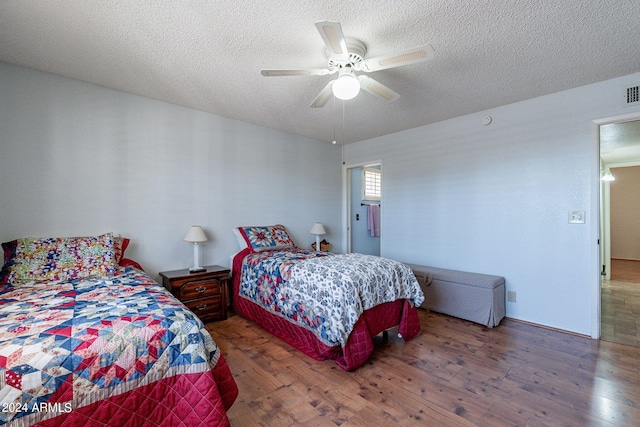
x=511, y=296
x=576, y=217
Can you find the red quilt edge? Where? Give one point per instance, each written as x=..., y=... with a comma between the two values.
x=198, y=400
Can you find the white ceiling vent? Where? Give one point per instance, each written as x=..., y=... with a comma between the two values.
x=632, y=97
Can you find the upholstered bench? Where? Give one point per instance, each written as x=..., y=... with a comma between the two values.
x=476, y=297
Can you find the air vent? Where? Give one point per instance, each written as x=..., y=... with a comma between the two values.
x=633, y=95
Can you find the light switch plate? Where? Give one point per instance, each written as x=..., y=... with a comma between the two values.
x=576, y=217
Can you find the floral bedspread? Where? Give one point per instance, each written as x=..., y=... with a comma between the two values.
x=64, y=345
x=325, y=293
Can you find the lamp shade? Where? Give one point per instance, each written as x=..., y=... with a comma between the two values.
x=195, y=234
x=317, y=229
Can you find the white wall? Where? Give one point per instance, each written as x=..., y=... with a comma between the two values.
x=495, y=199
x=78, y=159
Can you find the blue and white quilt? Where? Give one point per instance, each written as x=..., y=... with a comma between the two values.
x=325, y=293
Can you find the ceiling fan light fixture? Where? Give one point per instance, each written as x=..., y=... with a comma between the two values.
x=346, y=87
x=346, y=55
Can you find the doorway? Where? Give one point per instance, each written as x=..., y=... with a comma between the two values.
x=364, y=208
x=620, y=232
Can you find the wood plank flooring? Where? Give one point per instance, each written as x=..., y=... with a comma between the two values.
x=455, y=373
x=620, y=303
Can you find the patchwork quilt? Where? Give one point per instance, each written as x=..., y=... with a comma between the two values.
x=325, y=293
x=81, y=352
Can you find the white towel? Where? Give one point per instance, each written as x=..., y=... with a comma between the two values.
x=373, y=219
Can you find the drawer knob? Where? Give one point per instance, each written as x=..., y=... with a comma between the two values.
x=201, y=289
x=201, y=306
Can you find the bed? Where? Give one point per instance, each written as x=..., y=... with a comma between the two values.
x=328, y=306
x=88, y=338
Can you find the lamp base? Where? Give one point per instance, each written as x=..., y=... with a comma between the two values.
x=197, y=270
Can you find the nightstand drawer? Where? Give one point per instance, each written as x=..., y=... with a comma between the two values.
x=205, y=307
x=193, y=289
x=205, y=293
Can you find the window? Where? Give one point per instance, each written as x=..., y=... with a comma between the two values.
x=371, y=184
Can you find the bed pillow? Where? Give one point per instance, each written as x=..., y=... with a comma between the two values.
x=127, y=262
x=263, y=238
x=120, y=245
x=9, y=249
x=58, y=258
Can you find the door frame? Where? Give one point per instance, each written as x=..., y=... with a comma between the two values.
x=596, y=254
x=605, y=219
x=346, y=201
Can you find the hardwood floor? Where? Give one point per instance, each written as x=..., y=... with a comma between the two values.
x=455, y=373
x=620, y=303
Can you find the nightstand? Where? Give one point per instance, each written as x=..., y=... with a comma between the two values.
x=203, y=293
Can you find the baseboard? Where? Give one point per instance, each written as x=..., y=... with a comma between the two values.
x=549, y=328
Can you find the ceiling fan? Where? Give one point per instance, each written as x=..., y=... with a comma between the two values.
x=347, y=55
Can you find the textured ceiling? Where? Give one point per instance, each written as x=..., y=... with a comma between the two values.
x=208, y=54
x=620, y=143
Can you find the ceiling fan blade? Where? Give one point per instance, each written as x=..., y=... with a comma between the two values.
x=377, y=89
x=331, y=33
x=301, y=72
x=323, y=96
x=411, y=56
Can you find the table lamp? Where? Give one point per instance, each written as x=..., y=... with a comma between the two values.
x=317, y=229
x=196, y=235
